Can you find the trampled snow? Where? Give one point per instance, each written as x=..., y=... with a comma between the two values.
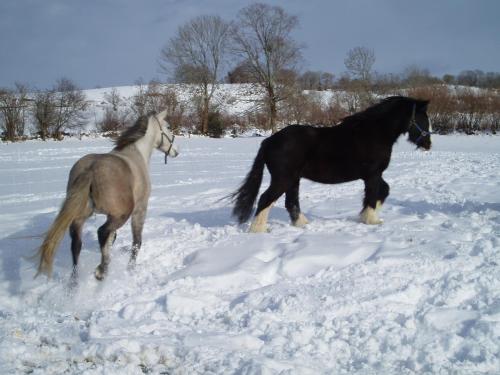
x=418, y=294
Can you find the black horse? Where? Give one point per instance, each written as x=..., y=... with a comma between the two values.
x=358, y=148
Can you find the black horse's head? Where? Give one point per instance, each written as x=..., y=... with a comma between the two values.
x=419, y=130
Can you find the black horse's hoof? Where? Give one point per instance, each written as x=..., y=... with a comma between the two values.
x=100, y=272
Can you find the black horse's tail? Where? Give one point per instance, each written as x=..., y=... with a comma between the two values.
x=246, y=195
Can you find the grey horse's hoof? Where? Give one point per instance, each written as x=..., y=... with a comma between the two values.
x=131, y=265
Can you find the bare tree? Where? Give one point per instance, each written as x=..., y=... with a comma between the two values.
x=175, y=109
x=161, y=97
x=44, y=112
x=139, y=100
x=473, y=106
x=113, y=121
x=70, y=105
x=262, y=38
x=113, y=98
x=386, y=83
x=479, y=78
x=196, y=54
x=327, y=80
x=449, y=79
x=359, y=62
x=415, y=76
x=116, y=114
x=241, y=73
x=13, y=105
x=155, y=97
x=310, y=80
x=316, y=80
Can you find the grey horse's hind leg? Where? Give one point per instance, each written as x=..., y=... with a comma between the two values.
x=106, y=235
x=75, y=232
x=138, y=219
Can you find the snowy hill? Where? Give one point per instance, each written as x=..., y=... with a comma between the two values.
x=417, y=294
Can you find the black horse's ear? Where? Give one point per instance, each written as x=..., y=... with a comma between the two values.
x=422, y=105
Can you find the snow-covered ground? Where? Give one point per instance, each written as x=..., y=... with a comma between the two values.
x=417, y=294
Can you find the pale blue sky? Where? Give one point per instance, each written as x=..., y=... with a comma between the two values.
x=110, y=42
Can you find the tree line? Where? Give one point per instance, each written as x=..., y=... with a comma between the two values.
x=53, y=111
x=258, y=49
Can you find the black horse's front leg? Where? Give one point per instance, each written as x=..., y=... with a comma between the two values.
x=383, y=193
x=372, y=200
x=293, y=207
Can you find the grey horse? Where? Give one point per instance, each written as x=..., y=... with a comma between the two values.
x=116, y=184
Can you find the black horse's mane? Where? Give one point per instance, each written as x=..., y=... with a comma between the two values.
x=377, y=111
x=133, y=133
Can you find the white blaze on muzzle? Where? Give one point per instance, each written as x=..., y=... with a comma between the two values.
x=171, y=151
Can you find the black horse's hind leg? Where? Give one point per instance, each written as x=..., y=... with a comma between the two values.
x=293, y=207
x=266, y=200
x=138, y=219
x=372, y=195
x=106, y=235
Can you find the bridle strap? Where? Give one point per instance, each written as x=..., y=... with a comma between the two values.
x=163, y=134
x=413, y=122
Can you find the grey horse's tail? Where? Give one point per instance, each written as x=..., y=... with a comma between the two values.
x=75, y=202
x=246, y=195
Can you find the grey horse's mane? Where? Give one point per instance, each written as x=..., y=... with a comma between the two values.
x=132, y=134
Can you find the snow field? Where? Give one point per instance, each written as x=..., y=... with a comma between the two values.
x=417, y=294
